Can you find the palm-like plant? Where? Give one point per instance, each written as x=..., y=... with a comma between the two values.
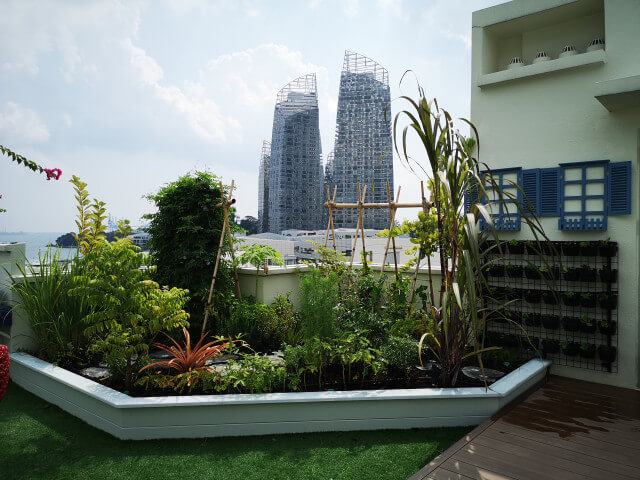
x=458, y=322
x=187, y=358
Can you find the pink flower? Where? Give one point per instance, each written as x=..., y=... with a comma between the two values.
x=54, y=173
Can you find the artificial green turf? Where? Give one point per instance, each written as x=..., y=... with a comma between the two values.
x=38, y=440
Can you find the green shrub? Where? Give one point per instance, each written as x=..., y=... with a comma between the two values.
x=129, y=309
x=185, y=235
x=246, y=318
x=283, y=325
x=401, y=353
x=319, y=293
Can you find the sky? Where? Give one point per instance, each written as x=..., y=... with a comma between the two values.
x=130, y=95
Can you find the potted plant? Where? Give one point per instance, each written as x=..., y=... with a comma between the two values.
x=511, y=293
x=588, y=299
x=607, y=328
x=531, y=319
x=587, y=350
x=497, y=293
x=550, y=322
x=514, y=271
x=549, y=273
x=570, y=274
x=571, y=324
x=608, y=301
x=587, y=325
x=496, y=270
x=532, y=296
x=549, y=297
x=570, y=299
x=532, y=248
x=550, y=346
x=571, y=249
x=570, y=349
x=513, y=317
x=607, y=248
x=516, y=247
x=531, y=272
x=588, y=274
x=606, y=353
x=588, y=249
x=608, y=275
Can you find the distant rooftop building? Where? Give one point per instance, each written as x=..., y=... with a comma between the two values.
x=363, y=147
x=295, y=167
x=263, y=187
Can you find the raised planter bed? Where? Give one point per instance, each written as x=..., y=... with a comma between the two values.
x=195, y=416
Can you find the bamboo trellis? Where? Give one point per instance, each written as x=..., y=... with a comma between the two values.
x=225, y=204
x=393, y=207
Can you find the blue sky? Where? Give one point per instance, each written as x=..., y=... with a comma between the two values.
x=129, y=95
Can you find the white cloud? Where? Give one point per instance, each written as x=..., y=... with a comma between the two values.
x=350, y=8
x=66, y=119
x=395, y=7
x=19, y=124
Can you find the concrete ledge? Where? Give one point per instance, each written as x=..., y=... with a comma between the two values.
x=144, y=418
x=596, y=57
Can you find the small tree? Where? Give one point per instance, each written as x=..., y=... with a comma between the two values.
x=185, y=234
x=259, y=256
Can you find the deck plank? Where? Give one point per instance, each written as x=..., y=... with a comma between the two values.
x=565, y=430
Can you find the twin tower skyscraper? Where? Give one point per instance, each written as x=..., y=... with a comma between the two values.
x=291, y=190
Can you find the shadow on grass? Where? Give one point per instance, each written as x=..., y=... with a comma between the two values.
x=38, y=440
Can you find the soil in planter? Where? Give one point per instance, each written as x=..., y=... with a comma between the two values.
x=571, y=349
x=607, y=328
x=588, y=301
x=608, y=249
x=514, y=271
x=572, y=274
x=608, y=302
x=516, y=248
x=587, y=327
x=532, y=296
x=571, y=324
x=549, y=298
x=571, y=300
x=550, y=346
x=571, y=249
x=588, y=351
x=607, y=354
x=588, y=274
x=550, y=322
x=589, y=250
x=608, y=275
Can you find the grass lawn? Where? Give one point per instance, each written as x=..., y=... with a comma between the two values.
x=38, y=440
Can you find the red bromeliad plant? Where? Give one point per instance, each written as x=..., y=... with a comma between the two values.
x=187, y=358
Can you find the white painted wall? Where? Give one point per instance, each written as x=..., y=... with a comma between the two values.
x=553, y=117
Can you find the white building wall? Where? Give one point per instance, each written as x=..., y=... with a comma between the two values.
x=553, y=117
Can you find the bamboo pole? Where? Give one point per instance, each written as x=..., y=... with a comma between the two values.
x=330, y=223
x=340, y=206
x=364, y=248
x=225, y=203
x=391, y=238
x=424, y=205
x=355, y=240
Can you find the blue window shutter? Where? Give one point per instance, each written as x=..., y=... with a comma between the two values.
x=549, y=198
x=530, y=188
x=619, y=188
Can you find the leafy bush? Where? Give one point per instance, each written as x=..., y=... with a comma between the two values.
x=401, y=353
x=283, y=325
x=246, y=318
x=319, y=293
x=130, y=309
x=185, y=235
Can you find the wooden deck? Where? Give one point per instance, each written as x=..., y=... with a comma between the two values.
x=567, y=429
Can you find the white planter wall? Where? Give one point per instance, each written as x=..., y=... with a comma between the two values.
x=131, y=418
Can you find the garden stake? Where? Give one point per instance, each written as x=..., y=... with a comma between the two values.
x=391, y=238
x=331, y=204
x=225, y=203
x=358, y=226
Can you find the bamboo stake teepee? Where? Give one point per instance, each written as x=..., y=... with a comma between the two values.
x=225, y=204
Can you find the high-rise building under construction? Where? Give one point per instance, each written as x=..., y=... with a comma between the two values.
x=363, y=150
x=295, y=174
